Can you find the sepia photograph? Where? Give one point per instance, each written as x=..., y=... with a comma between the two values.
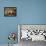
x=9, y=11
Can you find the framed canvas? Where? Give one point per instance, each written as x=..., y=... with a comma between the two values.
x=32, y=32
x=9, y=11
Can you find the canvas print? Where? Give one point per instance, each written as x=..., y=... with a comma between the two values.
x=33, y=32
x=9, y=11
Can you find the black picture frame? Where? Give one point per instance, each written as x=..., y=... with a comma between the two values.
x=10, y=11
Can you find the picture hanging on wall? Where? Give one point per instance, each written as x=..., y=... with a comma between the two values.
x=9, y=11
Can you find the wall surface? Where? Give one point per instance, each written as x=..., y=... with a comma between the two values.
x=28, y=12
